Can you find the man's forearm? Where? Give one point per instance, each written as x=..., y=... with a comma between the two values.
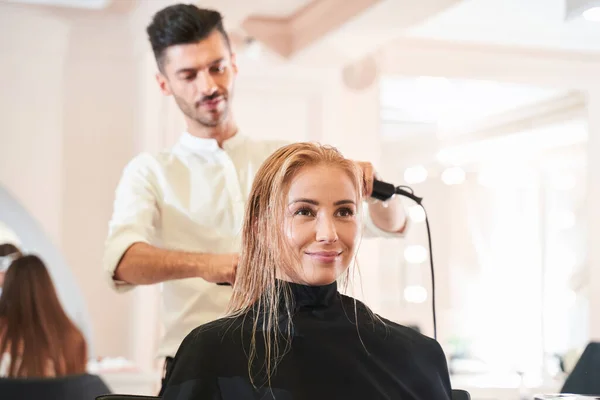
x=143, y=264
x=389, y=216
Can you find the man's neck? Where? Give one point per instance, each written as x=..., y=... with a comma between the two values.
x=220, y=133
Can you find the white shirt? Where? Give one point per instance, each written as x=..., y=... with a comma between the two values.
x=189, y=198
x=4, y=365
x=7, y=235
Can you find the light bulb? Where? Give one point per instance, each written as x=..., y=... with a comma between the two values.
x=415, y=294
x=453, y=176
x=416, y=174
x=415, y=254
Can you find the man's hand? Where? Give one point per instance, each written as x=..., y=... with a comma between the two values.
x=221, y=268
x=368, y=172
x=388, y=216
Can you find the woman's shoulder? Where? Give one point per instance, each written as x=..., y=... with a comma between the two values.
x=401, y=332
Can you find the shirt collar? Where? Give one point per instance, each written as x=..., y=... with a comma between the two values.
x=311, y=296
x=207, y=144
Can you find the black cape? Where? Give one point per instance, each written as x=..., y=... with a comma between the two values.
x=328, y=358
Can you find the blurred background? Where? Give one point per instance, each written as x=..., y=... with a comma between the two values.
x=489, y=109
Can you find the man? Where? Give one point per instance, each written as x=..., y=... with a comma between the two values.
x=177, y=215
x=8, y=249
x=8, y=252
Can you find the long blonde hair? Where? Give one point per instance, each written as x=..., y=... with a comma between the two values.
x=264, y=247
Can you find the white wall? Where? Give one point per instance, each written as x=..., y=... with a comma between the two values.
x=32, y=47
x=99, y=129
x=67, y=121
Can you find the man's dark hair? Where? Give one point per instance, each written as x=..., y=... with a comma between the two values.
x=6, y=249
x=182, y=24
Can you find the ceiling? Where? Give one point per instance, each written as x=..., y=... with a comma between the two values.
x=466, y=122
x=523, y=23
x=451, y=103
x=440, y=111
x=381, y=24
x=279, y=8
x=332, y=25
x=84, y=4
x=337, y=32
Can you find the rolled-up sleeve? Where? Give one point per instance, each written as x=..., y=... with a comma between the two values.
x=371, y=230
x=135, y=214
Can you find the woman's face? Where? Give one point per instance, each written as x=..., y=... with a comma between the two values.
x=321, y=224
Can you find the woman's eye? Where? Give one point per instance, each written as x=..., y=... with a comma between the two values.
x=345, y=212
x=307, y=212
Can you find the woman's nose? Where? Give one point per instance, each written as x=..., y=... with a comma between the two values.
x=326, y=231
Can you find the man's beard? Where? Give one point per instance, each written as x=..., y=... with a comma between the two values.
x=205, y=119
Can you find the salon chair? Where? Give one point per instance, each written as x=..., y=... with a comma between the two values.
x=460, y=395
x=456, y=395
x=72, y=387
x=126, y=397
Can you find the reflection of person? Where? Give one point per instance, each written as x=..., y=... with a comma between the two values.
x=290, y=333
x=37, y=339
x=177, y=215
x=19, y=227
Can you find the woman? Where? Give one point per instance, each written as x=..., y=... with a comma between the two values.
x=37, y=339
x=290, y=334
